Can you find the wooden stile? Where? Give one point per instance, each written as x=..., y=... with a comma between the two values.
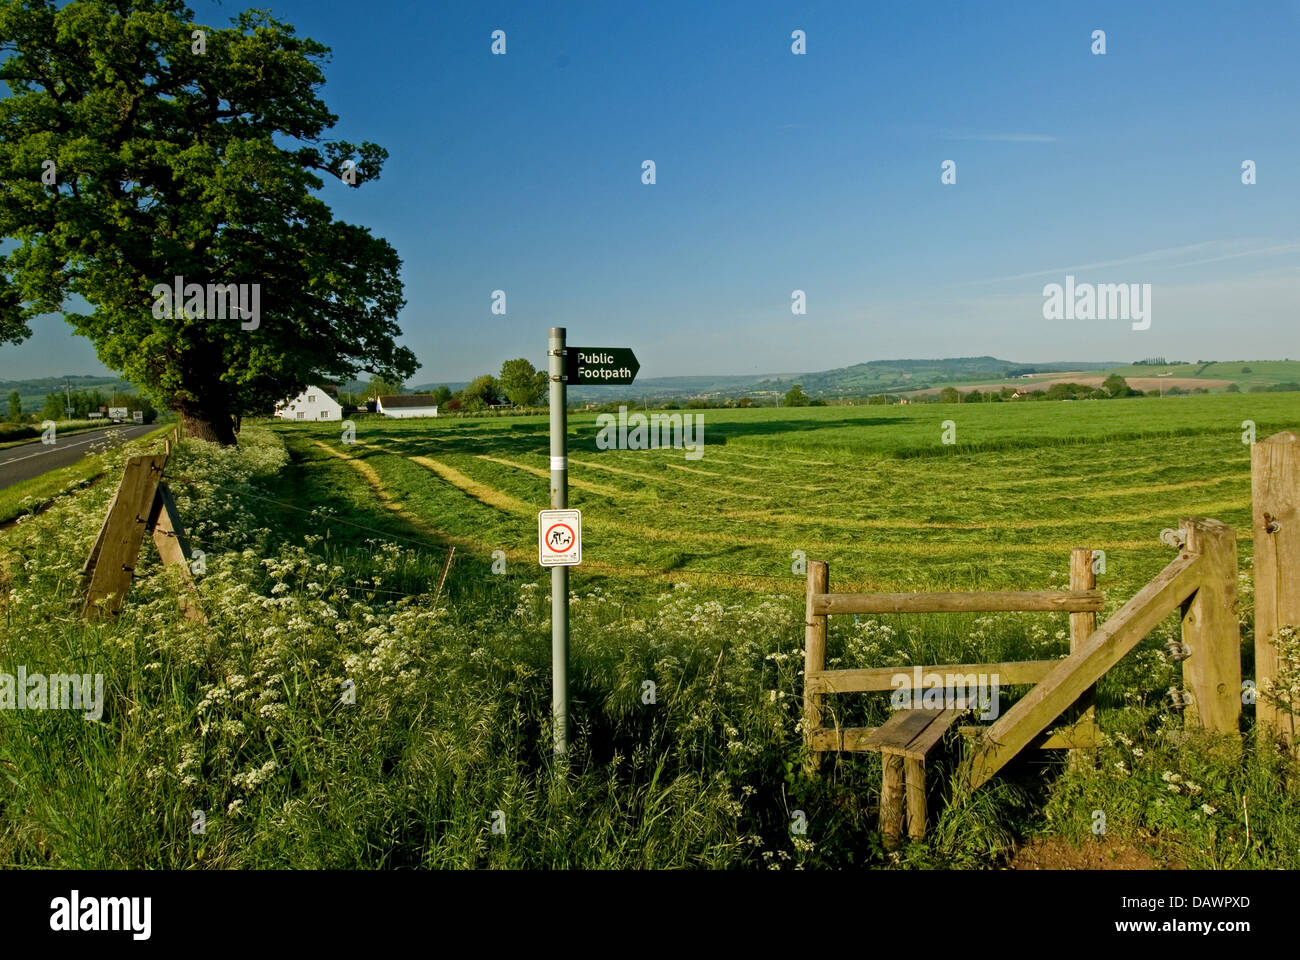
x=1081, y=669
x=1275, y=493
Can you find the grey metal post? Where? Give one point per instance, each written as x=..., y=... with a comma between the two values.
x=559, y=575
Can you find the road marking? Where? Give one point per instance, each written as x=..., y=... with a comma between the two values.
x=55, y=448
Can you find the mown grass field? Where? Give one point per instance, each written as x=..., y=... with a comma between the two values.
x=321, y=562
x=872, y=490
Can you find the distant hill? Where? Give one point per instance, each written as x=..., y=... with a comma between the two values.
x=33, y=392
x=861, y=379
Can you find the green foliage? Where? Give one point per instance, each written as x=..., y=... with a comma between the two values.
x=521, y=384
x=55, y=408
x=85, y=402
x=1116, y=386
x=480, y=393
x=795, y=397
x=380, y=387
x=170, y=162
x=949, y=395
x=15, y=406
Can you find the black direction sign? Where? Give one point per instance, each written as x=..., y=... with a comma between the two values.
x=611, y=365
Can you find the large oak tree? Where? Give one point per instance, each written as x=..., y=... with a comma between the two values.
x=177, y=149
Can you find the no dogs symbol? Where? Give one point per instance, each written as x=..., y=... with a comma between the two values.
x=559, y=538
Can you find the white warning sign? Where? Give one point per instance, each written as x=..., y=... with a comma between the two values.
x=559, y=538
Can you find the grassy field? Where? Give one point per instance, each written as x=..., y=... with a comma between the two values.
x=321, y=558
x=873, y=490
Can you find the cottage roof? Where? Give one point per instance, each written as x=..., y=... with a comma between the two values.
x=410, y=400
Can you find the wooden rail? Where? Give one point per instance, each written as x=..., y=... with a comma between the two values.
x=1010, y=674
x=986, y=601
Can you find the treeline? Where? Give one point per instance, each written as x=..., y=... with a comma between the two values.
x=82, y=403
x=518, y=385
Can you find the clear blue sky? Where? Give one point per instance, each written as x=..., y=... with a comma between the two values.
x=818, y=172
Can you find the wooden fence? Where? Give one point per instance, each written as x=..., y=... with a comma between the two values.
x=1201, y=582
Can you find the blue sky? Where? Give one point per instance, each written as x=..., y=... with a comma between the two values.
x=819, y=172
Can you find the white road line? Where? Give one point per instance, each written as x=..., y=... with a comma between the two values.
x=56, y=449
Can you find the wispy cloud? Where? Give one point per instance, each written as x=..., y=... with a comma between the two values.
x=1002, y=137
x=1263, y=252
x=1165, y=254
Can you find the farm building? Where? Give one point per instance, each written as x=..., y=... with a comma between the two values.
x=408, y=405
x=312, y=404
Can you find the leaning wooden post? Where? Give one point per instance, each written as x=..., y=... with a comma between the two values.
x=1275, y=493
x=164, y=524
x=1212, y=671
x=814, y=657
x=112, y=560
x=1083, y=577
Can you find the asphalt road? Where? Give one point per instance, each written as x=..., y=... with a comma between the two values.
x=33, y=459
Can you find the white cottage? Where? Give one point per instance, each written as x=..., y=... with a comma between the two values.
x=408, y=405
x=312, y=404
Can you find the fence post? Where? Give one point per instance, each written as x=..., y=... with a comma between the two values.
x=1275, y=493
x=1212, y=672
x=1082, y=577
x=814, y=656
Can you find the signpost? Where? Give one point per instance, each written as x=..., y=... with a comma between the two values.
x=137, y=416
x=612, y=365
x=117, y=413
x=559, y=530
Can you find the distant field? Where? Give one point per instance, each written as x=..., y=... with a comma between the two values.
x=873, y=490
x=1046, y=381
x=1214, y=377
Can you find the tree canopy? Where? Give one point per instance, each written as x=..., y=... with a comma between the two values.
x=137, y=147
x=522, y=385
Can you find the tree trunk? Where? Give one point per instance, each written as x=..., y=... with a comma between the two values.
x=215, y=428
